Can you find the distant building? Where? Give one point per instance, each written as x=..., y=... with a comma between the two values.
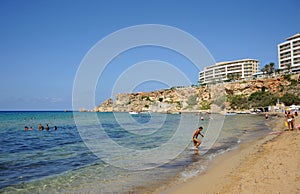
x=289, y=54
x=230, y=70
x=258, y=75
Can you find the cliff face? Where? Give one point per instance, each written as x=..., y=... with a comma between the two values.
x=273, y=85
x=170, y=100
x=188, y=98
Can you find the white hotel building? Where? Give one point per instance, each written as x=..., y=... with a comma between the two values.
x=222, y=71
x=289, y=54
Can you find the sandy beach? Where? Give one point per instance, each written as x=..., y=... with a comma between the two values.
x=267, y=165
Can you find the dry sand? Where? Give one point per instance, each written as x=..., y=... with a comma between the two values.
x=268, y=165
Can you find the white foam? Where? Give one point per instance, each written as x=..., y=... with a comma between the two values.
x=212, y=156
x=191, y=173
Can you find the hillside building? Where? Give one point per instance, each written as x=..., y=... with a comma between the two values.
x=230, y=70
x=289, y=54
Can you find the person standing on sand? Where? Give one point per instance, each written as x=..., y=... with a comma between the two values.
x=285, y=113
x=290, y=120
x=195, y=139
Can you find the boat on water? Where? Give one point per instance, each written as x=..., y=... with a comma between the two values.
x=230, y=113
x=243, y=112
x=133, y=113
x=145, y=112
x=174, y=113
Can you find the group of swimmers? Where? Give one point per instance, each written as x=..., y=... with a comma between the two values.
x=41, y=127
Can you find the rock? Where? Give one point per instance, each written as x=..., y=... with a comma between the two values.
x=181, y=99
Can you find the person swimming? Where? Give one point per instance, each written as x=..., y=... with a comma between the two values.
x=41, y=127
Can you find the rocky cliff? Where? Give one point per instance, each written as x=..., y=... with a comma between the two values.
x=273, y=85
x=169, y=100
x=181, y=99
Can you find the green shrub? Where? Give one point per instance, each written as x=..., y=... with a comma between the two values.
x=287, y=77
x=205, y=105
x=290, y=99
x=192, y=100
x=179, y=104
x=293, y=82
x=238, y=102
x=220, y=100
x=262, y=99
x=147, y=98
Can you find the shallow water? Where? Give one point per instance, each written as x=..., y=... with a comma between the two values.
x=60, y=161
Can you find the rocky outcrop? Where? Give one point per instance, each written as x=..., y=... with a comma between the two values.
x=106, y=106
x=181, y=99
x=169, y=100
x=273, y=85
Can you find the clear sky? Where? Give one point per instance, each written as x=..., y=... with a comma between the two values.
x=42, y=43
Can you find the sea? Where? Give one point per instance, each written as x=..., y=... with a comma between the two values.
x=113, y=152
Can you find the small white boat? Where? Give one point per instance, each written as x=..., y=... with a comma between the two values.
x=133, y=113
x=145, y=113
x=230, y=114
x=243, y=112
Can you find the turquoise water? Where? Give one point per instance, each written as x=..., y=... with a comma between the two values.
x=60, y=160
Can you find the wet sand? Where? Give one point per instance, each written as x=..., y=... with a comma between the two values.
x=268, y=165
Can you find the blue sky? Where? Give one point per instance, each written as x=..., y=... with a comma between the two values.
x=42, y=43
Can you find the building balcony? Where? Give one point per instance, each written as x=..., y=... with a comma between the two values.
x=285, y=57
x=295, y=46
x=285, y=44
x=284, y=49
x=286, y=60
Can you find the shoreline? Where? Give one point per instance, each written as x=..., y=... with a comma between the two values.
x=265, y=165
